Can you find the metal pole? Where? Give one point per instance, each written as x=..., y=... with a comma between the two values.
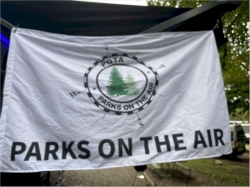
x=6, y=24
x=171, y=23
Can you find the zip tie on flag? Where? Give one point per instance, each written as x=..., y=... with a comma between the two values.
x=17, y=26
x=216, y=25
x=218, y=21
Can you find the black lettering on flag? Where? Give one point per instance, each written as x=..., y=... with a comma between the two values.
x=209, y=138
x=177, y=142
x=67, y=150
x=218, y=137
x=37, y=153
x=103, y=63
x=86, y=151
x=112, y=148
x=120, y=59
x=158, y=143
x=109, y=61
x=52, y=151
x=146, y=139
x=199, y=139
x=128, y=149
x=14, y=150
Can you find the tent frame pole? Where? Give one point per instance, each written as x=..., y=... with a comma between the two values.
x=171, y=23
x=6, y=24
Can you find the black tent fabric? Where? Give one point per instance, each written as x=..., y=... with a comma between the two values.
x=85, y=18
x=99, y=19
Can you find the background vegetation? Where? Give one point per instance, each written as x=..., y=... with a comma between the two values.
x=206, y=172
x=234, y=55
x=225, y=174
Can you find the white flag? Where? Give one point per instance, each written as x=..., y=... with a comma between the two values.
x=74, y=103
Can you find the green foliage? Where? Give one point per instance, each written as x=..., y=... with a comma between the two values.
x=221, y=175
x=236, y=62
x=234, y=55
x=177, y=3
x=208, y=173
x=116, y=84
x=131, y=85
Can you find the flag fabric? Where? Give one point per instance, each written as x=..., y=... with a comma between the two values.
x=78, y=102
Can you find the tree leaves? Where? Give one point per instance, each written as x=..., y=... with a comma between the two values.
x=234, y=55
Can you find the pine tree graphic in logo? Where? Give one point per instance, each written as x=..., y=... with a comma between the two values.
x=131, y=85
x=117, y=85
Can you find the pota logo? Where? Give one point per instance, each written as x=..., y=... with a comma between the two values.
x=121, y=83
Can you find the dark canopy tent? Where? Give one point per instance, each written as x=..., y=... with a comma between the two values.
x=97, y=19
